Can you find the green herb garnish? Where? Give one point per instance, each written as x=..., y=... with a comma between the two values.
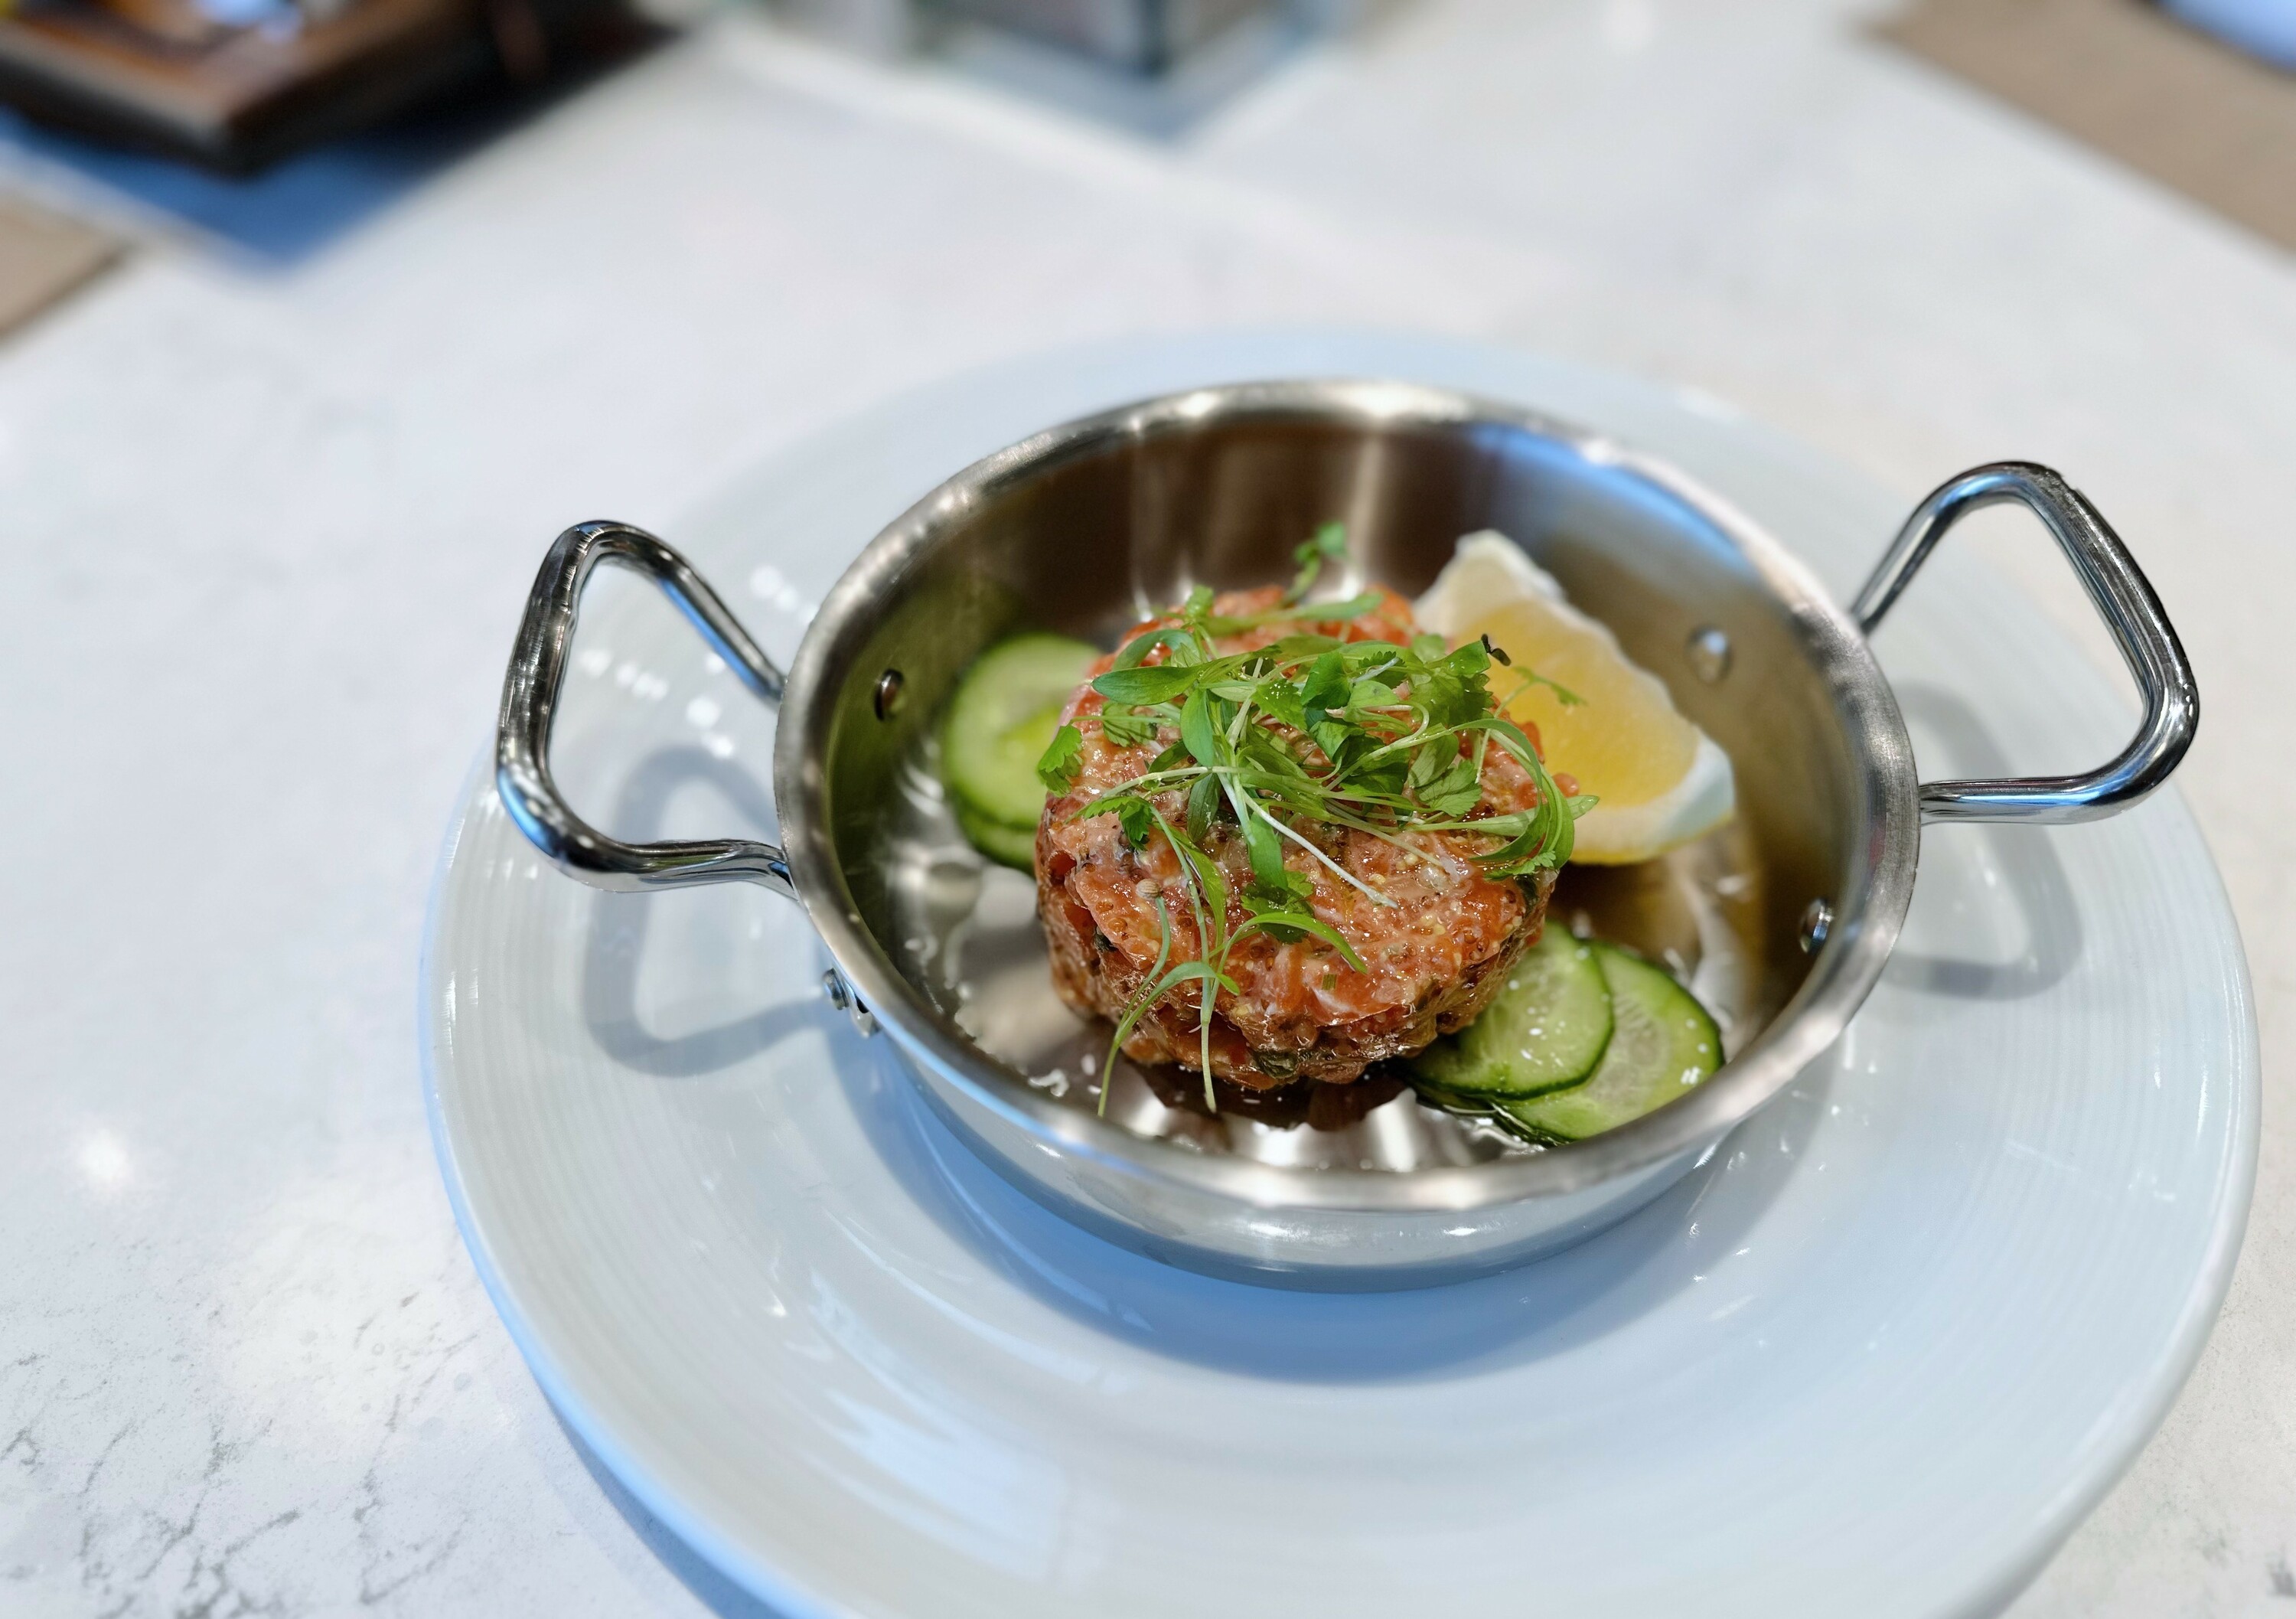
x=1372, y=737
x=1063, y=761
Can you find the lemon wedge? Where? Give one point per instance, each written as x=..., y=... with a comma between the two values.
x=1660, y=780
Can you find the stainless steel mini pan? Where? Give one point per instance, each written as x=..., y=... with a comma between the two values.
x=1784, y=920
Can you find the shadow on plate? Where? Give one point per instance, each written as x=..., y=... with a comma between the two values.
x=1526, y=1314
x=2032, y=879
x=620, y=925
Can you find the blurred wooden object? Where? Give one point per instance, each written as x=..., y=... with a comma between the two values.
x=173, y=75
x=44, y=257
x=2189, y=111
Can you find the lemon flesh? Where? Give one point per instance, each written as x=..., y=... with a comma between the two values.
x=1660, y=780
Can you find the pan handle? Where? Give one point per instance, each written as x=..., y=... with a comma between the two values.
x=529, y=702
x=2130, y=611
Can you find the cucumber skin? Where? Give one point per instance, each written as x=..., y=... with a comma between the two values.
x=1473, y=1065
x=1025, y=677
x=1690, y=1039
x=1013, y=846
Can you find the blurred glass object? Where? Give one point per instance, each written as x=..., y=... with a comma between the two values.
x=1150, y=38
x=1144, y=36
x=2265, y=28
x=1153, y=67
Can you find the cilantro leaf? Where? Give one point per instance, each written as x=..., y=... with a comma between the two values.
x=1279, y=699
x=1325, y=689
x=1063, y=761
x=1456, y=790
x=1126, y=727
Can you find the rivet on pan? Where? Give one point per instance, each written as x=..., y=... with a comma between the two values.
x=887, y=697
x=840, y=995
x=1710, y=654
x=1816, y=921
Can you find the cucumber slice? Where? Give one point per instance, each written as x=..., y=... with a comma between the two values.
x=1664, y=1044
x=1545, y=1031
x=1003, y=714
x=1452, y=1101
x=1014, y=846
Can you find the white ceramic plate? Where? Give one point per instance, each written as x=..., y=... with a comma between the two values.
x=1878, y=1357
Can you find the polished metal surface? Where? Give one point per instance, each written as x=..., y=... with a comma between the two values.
x=1816, y=923
x=835, y=991
x=1088, y=528
x=2130, y=611
x=529, y=702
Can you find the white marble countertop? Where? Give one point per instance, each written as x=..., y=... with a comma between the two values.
x=268, y=529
